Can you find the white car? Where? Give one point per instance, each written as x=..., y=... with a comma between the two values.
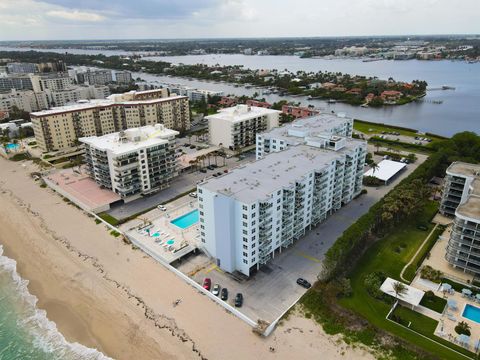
x=162, y=207
x=193, y=194
x=216, y=290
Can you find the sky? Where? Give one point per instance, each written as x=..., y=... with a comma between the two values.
x=167, y=19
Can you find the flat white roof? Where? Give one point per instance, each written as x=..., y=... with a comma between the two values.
x=134, y=139
x=257, y=180
x=93, y=103
x=386, y=169
x=241, y=112
x=412, y=295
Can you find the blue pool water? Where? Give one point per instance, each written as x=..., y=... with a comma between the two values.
x=186, y=220
x=472, y=313
x=12, y=146
x=157, y=234
x=170, y=242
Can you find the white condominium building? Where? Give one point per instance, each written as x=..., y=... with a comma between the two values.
x=132, y=162
x=237, y=127
x=458, y=178
x=256, y=210
x=77, y=93
x=462, y=197
x=60, y=128
x=54, y=82
x=26, y=100
x=295, y=133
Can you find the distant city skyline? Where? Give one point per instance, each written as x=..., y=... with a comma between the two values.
x=124, y=19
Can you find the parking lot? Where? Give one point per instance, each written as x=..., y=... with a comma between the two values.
x=183, y=183
x=273, y=289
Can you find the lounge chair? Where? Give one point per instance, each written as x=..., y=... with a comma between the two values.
x=451, y=317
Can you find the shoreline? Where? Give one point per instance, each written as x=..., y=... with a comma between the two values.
x=102, y=293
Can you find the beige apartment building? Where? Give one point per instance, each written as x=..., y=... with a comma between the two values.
x=59, y=128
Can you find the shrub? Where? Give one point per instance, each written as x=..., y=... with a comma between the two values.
x=462, y=328
x=372, y=284
x=431, y=274
x=371, y=181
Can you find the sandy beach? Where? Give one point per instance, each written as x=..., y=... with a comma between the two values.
x=102, y=293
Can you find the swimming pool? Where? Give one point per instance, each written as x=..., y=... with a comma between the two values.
x=12, y=146
x=186, y=220
x=472, y=313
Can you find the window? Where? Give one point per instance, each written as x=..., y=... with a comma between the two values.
x=244, y=207
x=245, y=232
x=245, y=247
x=278, y=201
x=253, y=252
x=279, y=192
x=245, y=216
x=253, y=222
x=245, y=239
x=253, y=206
x=245, y=254
x=245, y=261
x=253, y=230
x=245, y=224
x=200, y=191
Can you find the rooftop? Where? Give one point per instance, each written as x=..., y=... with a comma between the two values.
x=131, y=139
x=386, y=169
x=412, y=296
x=470, y=208
x=94, y=103
x=310, y=126
x=241, y=112
x=259, y=179
x=463, y=169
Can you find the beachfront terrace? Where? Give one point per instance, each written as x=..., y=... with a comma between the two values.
x=167, y=235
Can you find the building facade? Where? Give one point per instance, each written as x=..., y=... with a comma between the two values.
x=236, y=127
x=22, y=68
x=60, y=128
x=77, y=93
x=53, y=82
x=26, y=100
x=132, y=162
x=295, y=133
x=463, y=249
x=458, y=178
x=123, y=77
x=96, y=77
x=17, y=82
x=250, y=214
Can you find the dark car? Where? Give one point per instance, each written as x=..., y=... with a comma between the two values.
x=214, y=166
x=207, y=283
x=219, y=173
x=210, y=167
x=224, y=294
x=203, y=170
x=239, y=300
x=304, y=283
x=192, y=146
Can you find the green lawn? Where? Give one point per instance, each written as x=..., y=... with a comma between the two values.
x=370, y=128
x=409, y=273
x=434, y=303
x=108, y=218
x=426, y=326
x=390, y=255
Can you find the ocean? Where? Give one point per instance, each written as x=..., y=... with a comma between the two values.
x=25, y=331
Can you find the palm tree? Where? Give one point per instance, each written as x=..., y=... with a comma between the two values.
x=399, y=289
x=374, y=166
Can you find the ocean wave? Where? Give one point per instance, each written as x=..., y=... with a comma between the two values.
x=34, y=321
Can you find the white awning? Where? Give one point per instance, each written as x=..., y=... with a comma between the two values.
x=412, y=295
x=386, y=169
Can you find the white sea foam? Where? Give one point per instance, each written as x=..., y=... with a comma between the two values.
x=35, y=322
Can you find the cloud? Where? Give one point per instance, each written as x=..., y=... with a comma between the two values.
x=76, y=15
x=140, y=9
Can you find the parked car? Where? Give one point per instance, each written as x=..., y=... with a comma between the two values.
x=162, y=207
x=239, y=300
x=193, y=194
x=225, y=171
x=224, y=294
x=214, y=166
x=304, y=283
x=219, y=173
x=203, y=170
x=192, y=146
x=216, y=290
x=207, y=283
x=210, y=167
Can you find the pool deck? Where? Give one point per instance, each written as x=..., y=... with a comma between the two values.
x=449, y=318
x=185, y=240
